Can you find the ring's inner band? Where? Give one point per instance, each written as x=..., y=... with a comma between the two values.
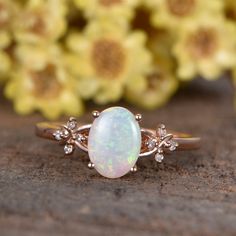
x=185, y=141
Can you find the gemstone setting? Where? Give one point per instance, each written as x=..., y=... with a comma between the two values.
x=114, y=142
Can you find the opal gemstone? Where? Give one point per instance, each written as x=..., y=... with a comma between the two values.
x=114, y=142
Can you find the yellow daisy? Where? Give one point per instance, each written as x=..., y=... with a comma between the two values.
x=5, y=65
x=7, y=14
x=40, y=82
x=157, y=87
x=206, y=46
x=8, y=9
x=119, y=11
x=40, y=21
x=173, y=13
x=105, y=59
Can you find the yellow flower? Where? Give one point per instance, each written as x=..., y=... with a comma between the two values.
x=40, y=21
x=106, y=59
x=173, y=13
x=8, y=10
x=5, y=64
x=7, y=13
x=158, y=86
x=40, y=82
x=206, y=46
x=118, y=11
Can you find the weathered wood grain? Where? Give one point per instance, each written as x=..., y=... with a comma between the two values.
x=191, y=193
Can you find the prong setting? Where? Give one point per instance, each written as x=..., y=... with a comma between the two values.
x=138, y=117
x=95, y=114
x=134, y=168
x=90, y=165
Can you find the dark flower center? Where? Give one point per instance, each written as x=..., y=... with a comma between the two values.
x=108, y=58
x=45, y=83
x=155, y=79
x=230, y=12
x=110, y=3
x=37, y=23
x=181, y=7
x=203, y=42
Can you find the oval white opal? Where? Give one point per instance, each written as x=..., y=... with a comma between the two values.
x=114, y=142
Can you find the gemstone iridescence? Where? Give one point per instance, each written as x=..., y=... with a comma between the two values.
x=114, y=142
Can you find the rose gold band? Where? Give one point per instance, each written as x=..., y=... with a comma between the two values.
x=185, y=141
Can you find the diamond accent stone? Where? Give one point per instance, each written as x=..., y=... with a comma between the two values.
x=151, y=144
x=68, y=149
x=79, y=137
x=173, y=146
x=57, y=135
x=65, y=133
x=159, y=157
x=71, y=124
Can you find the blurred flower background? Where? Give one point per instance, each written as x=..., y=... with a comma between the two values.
x=57, y=54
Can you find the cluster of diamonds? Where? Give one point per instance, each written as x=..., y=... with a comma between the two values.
x=161, y=142
x=69, y=135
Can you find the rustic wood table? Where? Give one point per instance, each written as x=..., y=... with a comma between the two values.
x=190, y=193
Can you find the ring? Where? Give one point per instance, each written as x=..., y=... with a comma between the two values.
x=115, y=141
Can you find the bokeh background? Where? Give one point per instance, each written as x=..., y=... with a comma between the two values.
x=57, y=54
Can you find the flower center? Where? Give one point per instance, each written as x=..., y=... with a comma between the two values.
x=203, y=43
x=36, y=23
x=45, y=83
x=154, y=79
x=230, y=12
x=181, y=7
x=4, y=15
x=108, y=58
x=110, y=3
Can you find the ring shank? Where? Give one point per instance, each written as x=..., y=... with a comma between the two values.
x=185, y=141
x=47, y=129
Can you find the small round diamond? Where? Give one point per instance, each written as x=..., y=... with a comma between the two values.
x=57, y=135
x=159, y=157
x=151, y=144
x=65, y=133
x=80, y=138
x=68, y=149
x=72, y=124
x=173, y=146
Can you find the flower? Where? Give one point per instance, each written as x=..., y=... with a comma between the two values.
x=206, y=47
x=106, y=59
x=156, y=89
x=8, y=10
x=40, y=82
x=5, y=64
x=119, y=11
x=40, y=21
x=7, y=13
x=173, y=13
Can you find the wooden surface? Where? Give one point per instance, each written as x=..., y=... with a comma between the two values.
x=191, y=193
